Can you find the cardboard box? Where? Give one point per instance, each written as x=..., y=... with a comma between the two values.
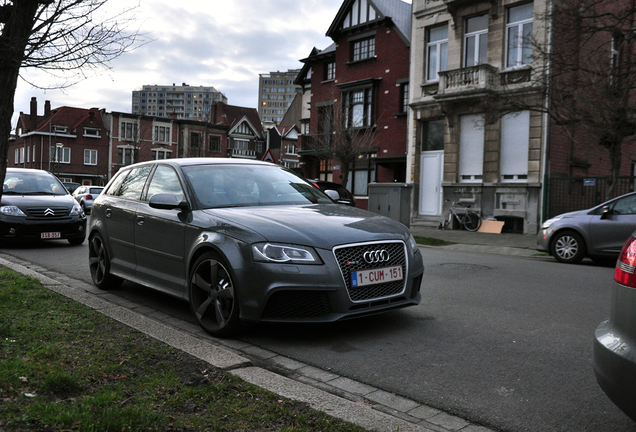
x=493, y=227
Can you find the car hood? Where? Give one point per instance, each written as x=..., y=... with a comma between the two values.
x=23, y=201
x=322, y=226
x=575, y=213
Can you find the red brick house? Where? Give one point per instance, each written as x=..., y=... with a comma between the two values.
x=363, y=77
x=72, y=143
x=282, y=141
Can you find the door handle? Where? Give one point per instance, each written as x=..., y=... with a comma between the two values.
x=108, y=212
x=140, y=220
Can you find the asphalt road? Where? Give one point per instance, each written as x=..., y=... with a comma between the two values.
x=502, y=341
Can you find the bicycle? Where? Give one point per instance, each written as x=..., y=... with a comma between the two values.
x=467, y=218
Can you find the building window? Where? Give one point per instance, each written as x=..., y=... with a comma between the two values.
x=330, y=71
x=291, y=149
x=363, y=49
x=326, y=170
x=471, y=148
x=242, y=145
x=433, y=135
x=476, y=41
x=91, y=132
x=259, y=147
x=436, y=52
x=128, y=131
x=59, y=129
x=404, y=97
x=90, y=157
x=519, y=35
x=515, y=137
x=160, y=154
x=215, y=144
x=195, y=140
x=362, y=173
x=125, y=156
x=21, y=155
x=60, y=155
x=162, y=134
x=358, y=109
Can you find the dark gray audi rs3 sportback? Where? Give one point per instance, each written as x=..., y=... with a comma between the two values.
x=248, y=241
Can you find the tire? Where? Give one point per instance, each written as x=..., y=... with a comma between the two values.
x=568, y=247
x=213, y=298
x=472, y=221
x=99, y=264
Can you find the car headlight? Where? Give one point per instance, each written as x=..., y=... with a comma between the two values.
x=77, y=210
x=412, y=244
x=281, y=253
x=11, y=211
x=549, y=222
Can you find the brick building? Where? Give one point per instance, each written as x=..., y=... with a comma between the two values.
x=72, y=143
x=362, y=78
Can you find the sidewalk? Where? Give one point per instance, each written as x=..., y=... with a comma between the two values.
x=503, y=244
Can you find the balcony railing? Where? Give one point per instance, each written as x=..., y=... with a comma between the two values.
x=242, y=153
x=483, y=77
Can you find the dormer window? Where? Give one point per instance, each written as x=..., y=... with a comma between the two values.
x=59, y=129
x=92, y=132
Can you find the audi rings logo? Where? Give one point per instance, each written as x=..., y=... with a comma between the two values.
x=374, y=257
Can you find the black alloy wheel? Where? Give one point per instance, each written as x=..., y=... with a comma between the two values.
x=99, y=264
x=213, y=297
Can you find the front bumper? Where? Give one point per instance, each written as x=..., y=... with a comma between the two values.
x=317, y=293
x=543, y=239
x=14, y=228
x=615, y=351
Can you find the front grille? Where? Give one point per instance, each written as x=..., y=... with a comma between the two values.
x=47, y=212
x=297, y=304
x=350, y=259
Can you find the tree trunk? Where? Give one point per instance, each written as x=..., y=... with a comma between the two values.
x=615, y=167
x=15, y=34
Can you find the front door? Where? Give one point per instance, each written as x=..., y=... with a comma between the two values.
x=431, y=164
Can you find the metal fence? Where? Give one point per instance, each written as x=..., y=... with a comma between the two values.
x=565, y=194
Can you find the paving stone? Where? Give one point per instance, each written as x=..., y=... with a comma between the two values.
x=317, y=374
x=390, y=400
x=448, y=421
x=424, y=412
x=352, y=386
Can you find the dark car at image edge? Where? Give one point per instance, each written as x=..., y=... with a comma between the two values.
x=248, y=241
x=615, y=338
x=36, y=206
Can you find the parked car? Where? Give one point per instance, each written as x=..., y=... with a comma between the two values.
x=345, y=197
x=85, y=196
x=599, y=232
x=36, y=206
x=71, y=186
x=615, y=339
x=248, y=241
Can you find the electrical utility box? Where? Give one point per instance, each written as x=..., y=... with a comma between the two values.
x=392, y=200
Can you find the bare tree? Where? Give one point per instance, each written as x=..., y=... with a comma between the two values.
x=587, y=73
x=343, y=135
x=57, y=36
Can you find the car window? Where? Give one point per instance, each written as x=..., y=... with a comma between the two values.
x=243, y=185
x=132, y=186
x=165, y=180
x=95, y=191
x=625, y=205
x=32, y=183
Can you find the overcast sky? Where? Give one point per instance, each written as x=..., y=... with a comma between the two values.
x=221, y=43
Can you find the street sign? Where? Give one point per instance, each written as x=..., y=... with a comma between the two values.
x=268, y=157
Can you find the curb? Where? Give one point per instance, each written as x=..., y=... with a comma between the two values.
x=338, y=396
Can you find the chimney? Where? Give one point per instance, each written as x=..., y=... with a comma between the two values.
x=47, y=109
x=33, y=123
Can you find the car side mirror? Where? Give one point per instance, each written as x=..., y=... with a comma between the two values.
x=605, y=212
x=334, y=195
x=167, y=201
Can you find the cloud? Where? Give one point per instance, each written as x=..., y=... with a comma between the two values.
x=221, y=43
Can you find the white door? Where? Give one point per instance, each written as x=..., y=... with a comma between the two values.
x=432, y=164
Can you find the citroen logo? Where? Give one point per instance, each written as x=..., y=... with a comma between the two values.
x=374, y=257
x=49, y=212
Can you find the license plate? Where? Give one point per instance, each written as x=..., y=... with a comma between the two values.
x=376, y=276
x=50, y=235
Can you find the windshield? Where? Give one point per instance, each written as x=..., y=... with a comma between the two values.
x=245, y=185
x=31, y=183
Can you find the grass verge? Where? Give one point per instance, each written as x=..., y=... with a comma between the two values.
x=64, y=366
x=428, y=241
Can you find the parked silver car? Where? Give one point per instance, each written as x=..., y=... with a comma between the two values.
x=615, y=339
x=249, y=241
x=599, y=232
x=85, y=195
